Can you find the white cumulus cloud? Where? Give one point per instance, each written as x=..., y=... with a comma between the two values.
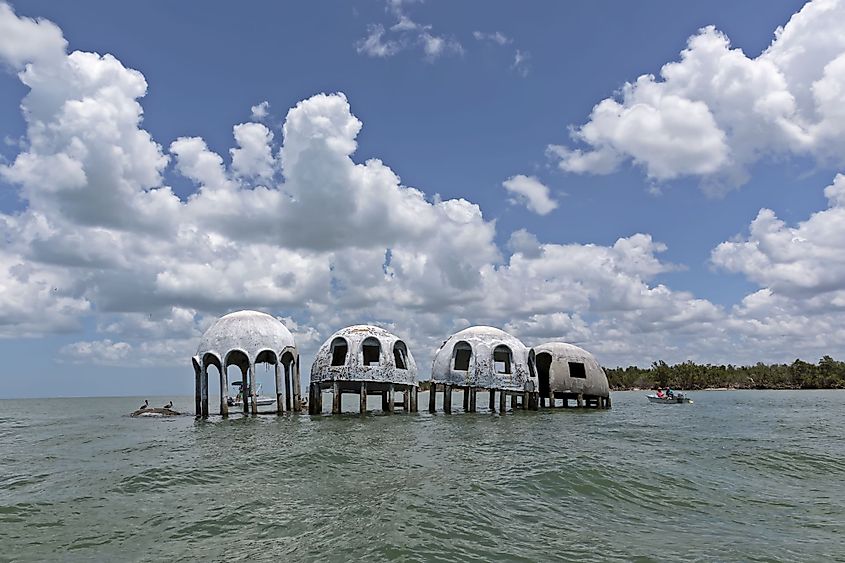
x=531, y=192
x=716, y=111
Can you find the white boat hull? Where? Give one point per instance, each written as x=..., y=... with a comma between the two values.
x=674, y=400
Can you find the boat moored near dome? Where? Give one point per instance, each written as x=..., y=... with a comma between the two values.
x=245, y=339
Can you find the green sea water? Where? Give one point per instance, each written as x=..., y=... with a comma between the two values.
x=740, y=475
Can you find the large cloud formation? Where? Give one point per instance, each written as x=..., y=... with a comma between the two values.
x=717, y=111
x=293, y=224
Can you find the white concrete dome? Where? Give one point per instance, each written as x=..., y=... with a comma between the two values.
x=250, y=332
x=484, y=356
x=364, y=353
x=566, y=368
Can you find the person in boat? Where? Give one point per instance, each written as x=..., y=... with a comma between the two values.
x=660, y=394
x=145, y=405
x=169, y=405
x=669, y=392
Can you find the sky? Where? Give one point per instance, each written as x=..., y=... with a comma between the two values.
x=650, y=181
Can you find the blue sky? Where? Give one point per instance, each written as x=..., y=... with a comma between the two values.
x=109, y=267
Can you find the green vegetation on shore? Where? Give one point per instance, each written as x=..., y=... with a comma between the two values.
x=827, y=374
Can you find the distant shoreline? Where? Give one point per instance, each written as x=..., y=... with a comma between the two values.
x=647, y=389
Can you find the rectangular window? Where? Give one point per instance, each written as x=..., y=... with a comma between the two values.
x=502, y=361
x=462, y=357
x=576, y=369
x=339, y=354
x=399, y=358
x=371, y=354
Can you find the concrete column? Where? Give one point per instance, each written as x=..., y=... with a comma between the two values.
x=432, y=397
x=492, y=400
x=288, y=388
x=297, y=393
x=245, y=383
x=198, y=393
x=503, y=401
x=253, y=388
x=336, y=397
x=391, y=396
x=280, y=399
x=224, y=393
x=363, y=398
x=205, y=391
x=447, y=398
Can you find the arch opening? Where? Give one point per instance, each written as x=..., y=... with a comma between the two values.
x=370, y=351
x=544, y=364
x=340, y=351
x=502, y=360
x=266, y=357
x=400, y=355
x=463, y=355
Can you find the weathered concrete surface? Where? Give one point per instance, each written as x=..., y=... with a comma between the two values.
x=560, y=381
x=354, y=369
x=483, y=340
x=250, y=332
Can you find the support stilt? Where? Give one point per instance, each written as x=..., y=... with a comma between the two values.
x=205, y=393
x=466, y=399
x=313, y=393
x=336, y=396
x=198, y=393
x=297, y=390
x=363, y=406
x=391, y=397
x=580, y=400
x=447, y=398
x=503, y=401
x=280, y=396
x=253, y=389
x=473, y=392
x=492, y=400
x=432, y=397
x=224, y=394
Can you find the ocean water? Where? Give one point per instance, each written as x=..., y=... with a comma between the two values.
x=740, y=475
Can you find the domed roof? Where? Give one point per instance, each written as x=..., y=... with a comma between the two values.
x=352, y=366
x=590, y=378
x=480, y=369
x=563, y=349
x=248, y=331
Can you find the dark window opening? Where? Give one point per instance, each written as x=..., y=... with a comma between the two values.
x=463, y=354
x=576, y=369
x=544, y=364
x=339, y=351
x=400, y=353
x=372, y=351
x=502, y=359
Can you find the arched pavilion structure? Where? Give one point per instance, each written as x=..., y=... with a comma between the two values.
x=245, y=339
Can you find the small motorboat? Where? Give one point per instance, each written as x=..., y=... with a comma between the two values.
x=673, y=399
x=260, y=400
